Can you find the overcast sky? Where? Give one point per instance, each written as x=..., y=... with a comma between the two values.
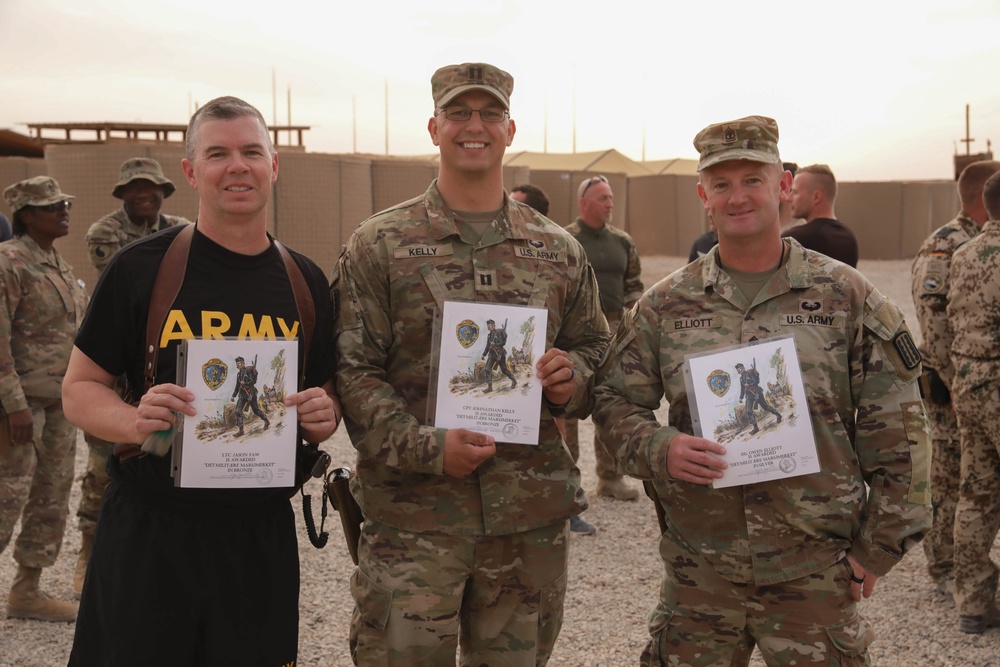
x=877, y=89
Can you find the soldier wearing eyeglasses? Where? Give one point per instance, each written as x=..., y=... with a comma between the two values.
x=142, y=187
x=615, y=259
x=41, y=306
x=465, y=539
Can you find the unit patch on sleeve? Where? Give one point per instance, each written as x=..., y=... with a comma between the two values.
x=903, y=343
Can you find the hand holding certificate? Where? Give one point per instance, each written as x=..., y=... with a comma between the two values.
x=751, y=400
x=486, y=379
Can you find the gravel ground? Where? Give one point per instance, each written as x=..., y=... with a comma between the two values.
x=613, y=584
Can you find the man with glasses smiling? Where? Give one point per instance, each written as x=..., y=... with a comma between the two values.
x=465, y=538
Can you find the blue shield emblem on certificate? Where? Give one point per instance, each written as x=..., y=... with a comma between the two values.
x=467, y=333
x=213, y=373
x=719, y=382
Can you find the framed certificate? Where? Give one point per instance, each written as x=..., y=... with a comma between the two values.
x=751, y=399
x=486, y=369
x=243, y=435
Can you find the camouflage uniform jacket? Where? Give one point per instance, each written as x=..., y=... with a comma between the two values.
x=974, y=311
x=398, y=268
x=115, y=231
x=930, y=284
x=43, y=304
x=867, y=418
x=608, y=249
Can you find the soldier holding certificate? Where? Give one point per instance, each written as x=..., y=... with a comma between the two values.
x=465, y=538
x=777, y=564
x=179, y=575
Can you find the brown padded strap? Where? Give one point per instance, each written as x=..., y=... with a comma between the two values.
x=303, y=303
x=166, y=287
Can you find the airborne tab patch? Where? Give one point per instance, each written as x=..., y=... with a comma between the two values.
x=423, y=251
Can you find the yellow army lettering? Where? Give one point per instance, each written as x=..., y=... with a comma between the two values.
x=216, y=325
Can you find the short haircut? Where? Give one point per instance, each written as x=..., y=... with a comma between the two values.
x=826, y=182
x=991, y=195
x=222, y=108
x=971, y=180
x=790, y=166
x=534, y=197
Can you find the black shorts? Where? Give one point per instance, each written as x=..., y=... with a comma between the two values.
x=207, y=587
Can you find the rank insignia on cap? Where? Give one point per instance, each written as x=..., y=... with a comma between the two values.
x=730, y=135
x=476, y=74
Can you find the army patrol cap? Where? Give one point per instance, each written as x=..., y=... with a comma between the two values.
x=451, y=81
x=37, y=191
x=146, y=169
x=752, y=138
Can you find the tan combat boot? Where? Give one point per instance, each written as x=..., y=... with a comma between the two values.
x=80, y=573
x=616, y=488
x=27, y=601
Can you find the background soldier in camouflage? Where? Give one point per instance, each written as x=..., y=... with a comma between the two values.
x=41, y=305
x=464, y=538
x=930, y=286
x=780, y=564
x=615, y=259
x=974, y=314
x=142, y=187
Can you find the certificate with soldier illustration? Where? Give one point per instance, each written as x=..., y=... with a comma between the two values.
x=486, y=370
x=751, y=399
x=243, y=435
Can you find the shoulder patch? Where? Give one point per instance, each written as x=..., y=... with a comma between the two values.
x=908, y=351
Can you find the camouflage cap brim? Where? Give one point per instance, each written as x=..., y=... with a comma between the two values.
x=738, y=154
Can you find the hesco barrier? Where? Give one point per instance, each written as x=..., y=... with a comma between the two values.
x=320, y=198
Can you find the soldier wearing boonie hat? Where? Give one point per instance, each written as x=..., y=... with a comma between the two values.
x=143, y=168
x=104, y=239
x=752, y=138
x=741, y=553
x=470, y=504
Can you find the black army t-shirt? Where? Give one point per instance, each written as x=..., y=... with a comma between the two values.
x=249, y=292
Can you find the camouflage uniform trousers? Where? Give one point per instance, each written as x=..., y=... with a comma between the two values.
x=570, y=428
x=95, y=483
x=417, y=595
x=35, y=482
x=976, y=398
x=946, y=456
x=703, y=620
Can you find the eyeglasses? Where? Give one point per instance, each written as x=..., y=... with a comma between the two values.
x=57, y=207
x=591, y=181
x=487, y=115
